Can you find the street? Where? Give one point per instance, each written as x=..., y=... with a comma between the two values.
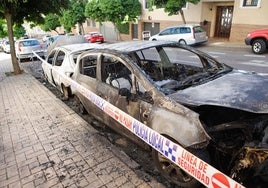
x=239, y=58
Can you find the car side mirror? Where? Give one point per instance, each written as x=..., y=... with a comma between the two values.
x=126, y=93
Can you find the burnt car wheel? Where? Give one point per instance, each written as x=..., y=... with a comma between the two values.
x=175, y=174
x=66, y=92
x=258, y=46
x=79, y=106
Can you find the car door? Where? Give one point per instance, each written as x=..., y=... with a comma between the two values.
x=58, y=66
x=86, y=75
x=117, y=77
x=120, y=88
x=47, y=67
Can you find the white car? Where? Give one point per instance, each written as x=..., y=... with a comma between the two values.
x=6, y=46
x=190, y=34
x=63, y=59
x=25, y=47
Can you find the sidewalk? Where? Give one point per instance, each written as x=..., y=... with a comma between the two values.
x=43, y=143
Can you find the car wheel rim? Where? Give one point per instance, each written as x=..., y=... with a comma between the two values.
x=257, y=47
x=172, y=171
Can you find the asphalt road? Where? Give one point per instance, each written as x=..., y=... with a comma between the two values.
x=238, y=57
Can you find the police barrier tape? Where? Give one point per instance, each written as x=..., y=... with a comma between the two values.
x=197, y=168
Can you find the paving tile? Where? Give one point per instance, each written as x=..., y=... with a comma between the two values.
x=44, y=143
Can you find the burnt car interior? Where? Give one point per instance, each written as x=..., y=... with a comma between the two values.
x=171, y=75
x=115, y=73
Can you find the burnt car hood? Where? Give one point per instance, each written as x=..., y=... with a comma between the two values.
x=237, y=89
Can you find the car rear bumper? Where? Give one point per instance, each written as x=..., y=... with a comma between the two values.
x=30, y=55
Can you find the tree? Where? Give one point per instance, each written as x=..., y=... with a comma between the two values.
x=3, y=28
x=172, y=7
x=51, y=22
x=116, y=11
x=73, y=15
x=19, y=30
x=16, y=11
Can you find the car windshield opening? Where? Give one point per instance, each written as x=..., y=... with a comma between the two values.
x=172, y=69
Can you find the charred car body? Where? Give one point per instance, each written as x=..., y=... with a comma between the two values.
x=62, y=59
x=216, y=112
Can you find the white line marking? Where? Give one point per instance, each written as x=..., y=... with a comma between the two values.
x=217, y=53
x=249, y=55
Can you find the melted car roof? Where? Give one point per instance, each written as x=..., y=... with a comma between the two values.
x=136, y=45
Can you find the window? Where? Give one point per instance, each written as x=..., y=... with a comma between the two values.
x=59, y=58
x=147, y=4
x=250, y=3
x=167, y=31
x=51, y=57
x=88, y=66
x=115, y=73
x=185, y=30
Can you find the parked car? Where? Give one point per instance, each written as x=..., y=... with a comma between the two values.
x=218, y=113
x=190, y=34
x=6, y=46
x=51, y=39
x=24, y=49
x=66, y=40
x=46, y=37
x=62, y=59
x=94, y=37
x=258, y=39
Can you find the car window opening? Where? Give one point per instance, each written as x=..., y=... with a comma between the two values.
x=116, y=73
x=170, y=68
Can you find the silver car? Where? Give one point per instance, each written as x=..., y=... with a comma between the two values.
x=190, y=34
x=25, y=47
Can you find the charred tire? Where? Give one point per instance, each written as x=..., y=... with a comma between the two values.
x=175, y=174
x=66, y=92
x=259, y=46
x=80, y=107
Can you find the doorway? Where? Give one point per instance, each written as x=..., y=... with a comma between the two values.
x=223, y=21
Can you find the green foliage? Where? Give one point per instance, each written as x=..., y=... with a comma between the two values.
x=123, y=28
x=74, y=14
x=3, y=28
x=18, y=11
x=116, y=11
x=66, y=20
x=51, y=22
x=172, y=7
x=19, y=30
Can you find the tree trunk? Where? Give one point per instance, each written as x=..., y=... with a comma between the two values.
x=81, y=29
x=14, y=60
x=182, y=16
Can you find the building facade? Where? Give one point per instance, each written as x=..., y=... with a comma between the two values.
x=225, y=19
x=222, y=19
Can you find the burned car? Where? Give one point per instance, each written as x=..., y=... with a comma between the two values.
x=62, y=59
x=218, y=113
